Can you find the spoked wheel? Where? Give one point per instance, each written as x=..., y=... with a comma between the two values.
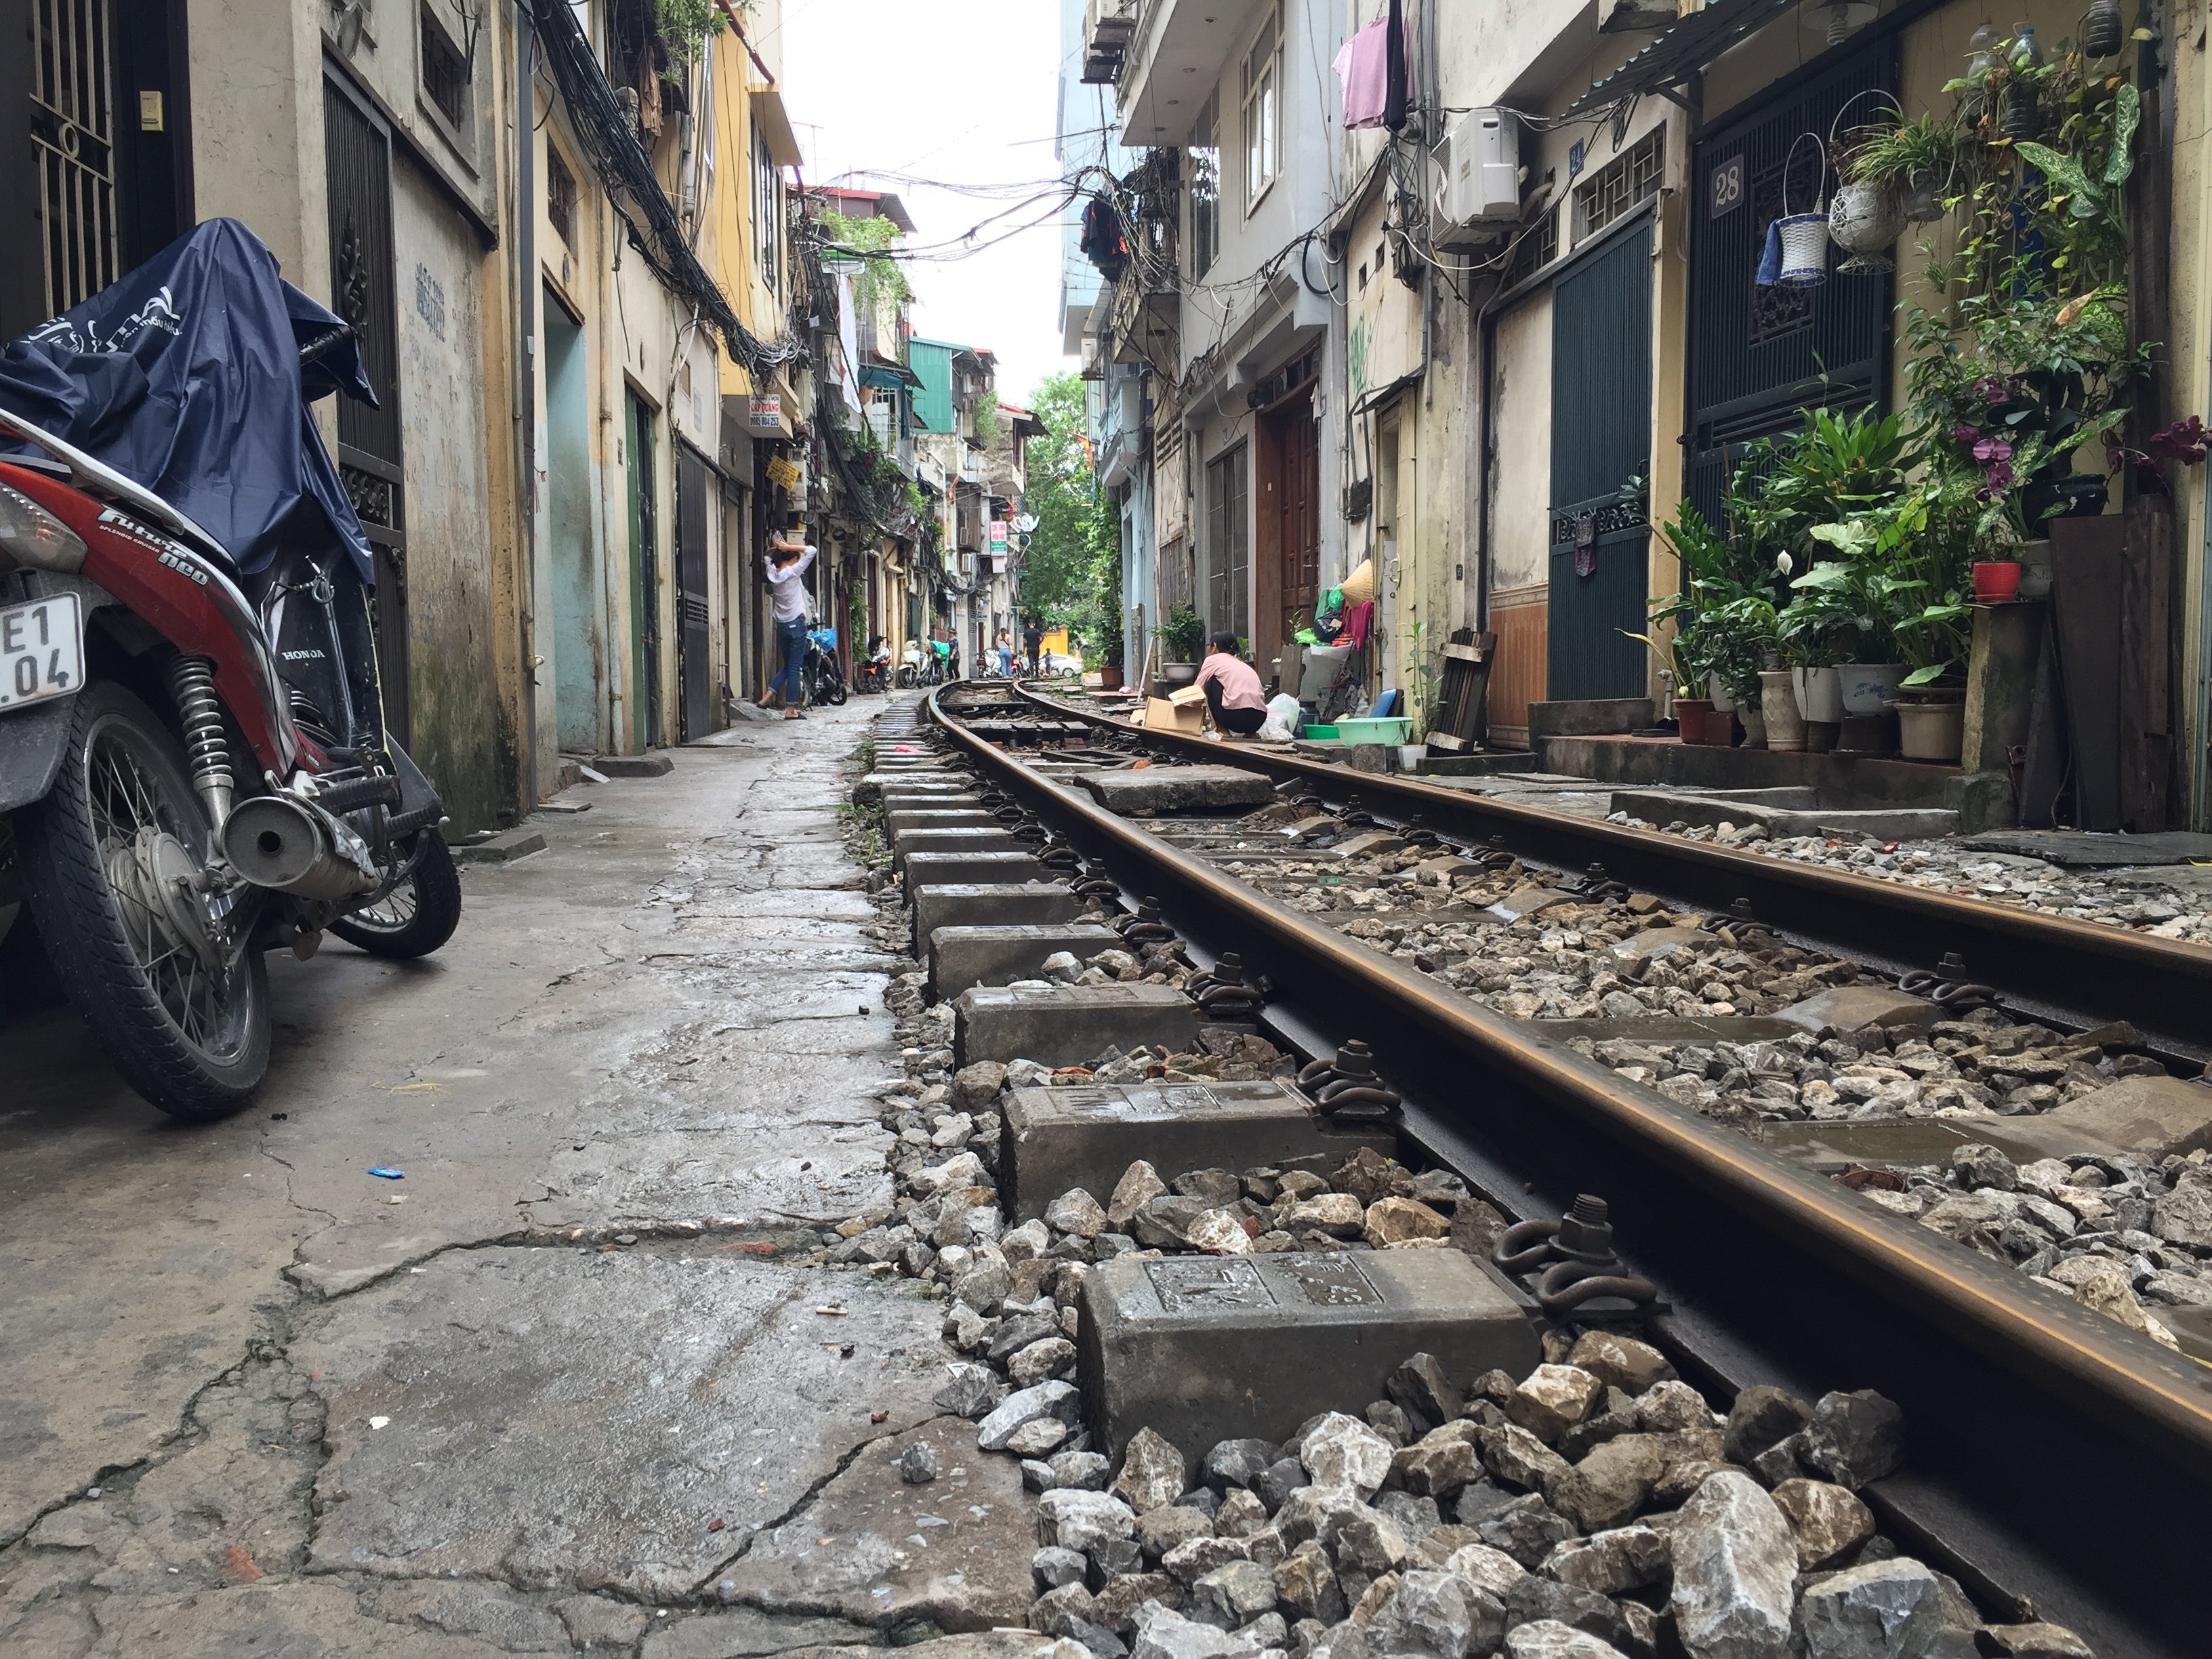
x=420, y=912
x=112, y=854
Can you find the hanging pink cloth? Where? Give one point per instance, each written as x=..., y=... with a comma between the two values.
x=1364, y=67
x=1358, y=619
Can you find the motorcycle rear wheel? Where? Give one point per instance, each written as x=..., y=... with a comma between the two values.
x=99, y=849
x=418, y=914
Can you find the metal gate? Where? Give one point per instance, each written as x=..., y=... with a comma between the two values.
x=358, y=156
x=1600, y=456
x=1758, y=356
x=644, y=576
x=694, y=648
x=73, y=141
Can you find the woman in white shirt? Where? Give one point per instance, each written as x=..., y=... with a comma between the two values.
x=786, y=562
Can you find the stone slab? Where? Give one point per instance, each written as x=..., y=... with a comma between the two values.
x=1056, y=1138
x=1586, y=716
x=504, y=847
x=1014, y=866
x=1910, y=1142
x=1883, y=823
x=1528, y=901
x=1665, y=806
x=2146, y=1117
x=1473, y=766
x=875, y=1550
x=1209, y=1348
x=1069, y=1025
x=632, y=766
x=513, y=1414
x=955, y=904
x=1854, y=1007
x=2079, y=850
x=963, y=956
x=1178, y=789
x=1668, y=1028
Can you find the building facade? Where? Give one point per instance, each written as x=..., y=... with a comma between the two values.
x=1483, y=337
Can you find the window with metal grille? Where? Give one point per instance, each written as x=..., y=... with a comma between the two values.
x=1627, y=181
x=560, y=196
x=1205, y=192
x=1538, y=247
x=444, y=72
x=767, y=211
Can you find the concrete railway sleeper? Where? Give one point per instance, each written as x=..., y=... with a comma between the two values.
x=1741, y=1271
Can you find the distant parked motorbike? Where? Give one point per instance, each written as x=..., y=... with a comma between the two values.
x=873, y=672
x=194, y=769
x=823, y=680
x=923, y=663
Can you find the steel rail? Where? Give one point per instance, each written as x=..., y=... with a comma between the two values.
x=2054, y=968
x=1992, y=1370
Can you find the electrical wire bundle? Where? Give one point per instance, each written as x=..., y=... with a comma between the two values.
x=625, y=172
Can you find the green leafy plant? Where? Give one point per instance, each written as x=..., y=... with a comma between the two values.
x=1184, y=634
x=989, y=428
x=881, y=284
x=1914, y=153
x=685, y=26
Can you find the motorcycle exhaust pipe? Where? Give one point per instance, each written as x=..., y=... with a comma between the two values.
x=276, y=841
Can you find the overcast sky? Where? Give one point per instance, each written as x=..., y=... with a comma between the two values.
x=958, y=92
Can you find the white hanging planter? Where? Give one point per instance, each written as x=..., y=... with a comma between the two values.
x=1865, y=221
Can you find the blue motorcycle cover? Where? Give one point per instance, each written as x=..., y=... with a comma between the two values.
x=185, y=376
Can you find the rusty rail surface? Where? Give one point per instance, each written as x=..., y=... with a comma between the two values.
x=2045, y=967
x=1773, y=1274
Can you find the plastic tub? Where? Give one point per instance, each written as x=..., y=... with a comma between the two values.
x=1318, y=733
x=1388, y=729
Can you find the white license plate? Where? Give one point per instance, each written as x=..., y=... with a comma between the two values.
x=41, y=650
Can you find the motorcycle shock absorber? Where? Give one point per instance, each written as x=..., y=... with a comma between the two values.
x=207, y=752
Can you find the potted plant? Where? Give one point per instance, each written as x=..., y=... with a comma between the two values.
x=1679, y=651
x=1183, y=636
x=1112, y=654
x=1918, y=162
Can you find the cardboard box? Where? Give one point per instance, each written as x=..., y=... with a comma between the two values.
x=1168, y=715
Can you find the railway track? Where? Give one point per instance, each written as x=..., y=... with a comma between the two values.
x=2060, y=1464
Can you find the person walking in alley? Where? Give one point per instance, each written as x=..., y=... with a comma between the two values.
x=785, y=563
x=1005, y=653
x=1232, y=687
x=1033, y=646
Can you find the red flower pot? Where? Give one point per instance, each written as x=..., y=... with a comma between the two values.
x=1996, y=581
x=1691, y=715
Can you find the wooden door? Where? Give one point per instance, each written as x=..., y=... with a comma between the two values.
x=357, y=155
x=1297, y=529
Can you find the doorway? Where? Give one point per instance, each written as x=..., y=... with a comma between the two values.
x=1228, y=542
x=694, y=668
x=644, y=575
x=571, y=566
x=1290, y=503
x=357, y=152
x=1599, y=539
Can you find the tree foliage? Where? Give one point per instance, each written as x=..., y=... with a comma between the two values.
x=1072, y=574
x=881, y=284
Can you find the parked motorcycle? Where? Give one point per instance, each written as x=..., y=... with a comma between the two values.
x=873, y=672
x=193, y=764
x=922, y=663
x=823, y=681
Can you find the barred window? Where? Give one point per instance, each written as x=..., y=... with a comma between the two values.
x=560, y=196
x=1625, y=183
x=444, y=72
x=1538, y=247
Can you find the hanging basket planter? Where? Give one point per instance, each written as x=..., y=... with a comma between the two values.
x=1865, y=221
x=1797, y=243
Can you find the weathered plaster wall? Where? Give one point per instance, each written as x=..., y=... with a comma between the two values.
x=459, y=728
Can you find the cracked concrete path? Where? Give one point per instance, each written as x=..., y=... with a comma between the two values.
x=252, y=1399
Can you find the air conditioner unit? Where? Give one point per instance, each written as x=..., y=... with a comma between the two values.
x=1109, y=22
x=1482, y=176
